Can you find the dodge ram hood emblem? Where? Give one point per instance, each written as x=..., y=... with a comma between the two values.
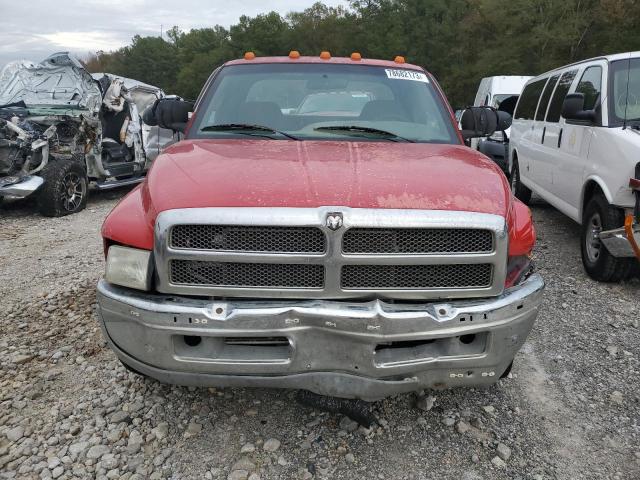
x=334, y=220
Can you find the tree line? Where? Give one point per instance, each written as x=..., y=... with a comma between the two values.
x=459, y=41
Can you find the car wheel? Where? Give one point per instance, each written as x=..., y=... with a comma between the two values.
x=65, y=188
x=521, y=192
x=598, y=262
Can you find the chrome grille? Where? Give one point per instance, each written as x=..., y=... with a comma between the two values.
x=294, y=253
x=412, y=277
x=265, y=275
x=248, y=238
x=416, y=240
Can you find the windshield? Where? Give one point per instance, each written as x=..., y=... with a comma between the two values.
x=624, y=100
x=349, y=103
x=323, y=102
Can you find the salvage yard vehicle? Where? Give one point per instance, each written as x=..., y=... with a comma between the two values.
x=61, y=129
x=576, y=143
x=356, y=257
x=501, y=92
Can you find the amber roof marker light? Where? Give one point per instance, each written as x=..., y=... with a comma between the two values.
x=249, y=55
x=324, y=55
x=294, y=54
x=356, y=57
x=399, y=59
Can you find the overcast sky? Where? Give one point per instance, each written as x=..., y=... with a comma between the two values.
x=33, y=29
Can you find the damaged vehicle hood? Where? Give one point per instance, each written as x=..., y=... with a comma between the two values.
x=58, y=81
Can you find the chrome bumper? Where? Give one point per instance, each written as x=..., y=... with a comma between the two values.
x=23, y=188
x=367, y=350
x=616, y=241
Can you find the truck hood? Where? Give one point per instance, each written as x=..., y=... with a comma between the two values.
x=58, y=81
x=282, y=173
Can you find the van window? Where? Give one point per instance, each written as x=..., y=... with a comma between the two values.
x=624, y=92
x=546, y=95
x=526, y=108
x=553, y=115
x=590, y=85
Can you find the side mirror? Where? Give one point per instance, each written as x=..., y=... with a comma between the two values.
x=168, y=113
x=573, y=108
x=483, y=121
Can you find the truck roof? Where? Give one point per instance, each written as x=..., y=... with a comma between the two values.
x=335, y=60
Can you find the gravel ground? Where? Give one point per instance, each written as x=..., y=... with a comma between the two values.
x=570, y=408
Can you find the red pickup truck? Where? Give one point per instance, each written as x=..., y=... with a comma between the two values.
x=354, y=248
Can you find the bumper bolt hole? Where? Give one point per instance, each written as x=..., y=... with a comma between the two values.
x=219, y=310
x=467, y=339
x=192, y=341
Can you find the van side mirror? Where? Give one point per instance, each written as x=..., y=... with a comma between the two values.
x=169, y=113
x=483, y=121
x=573, y=108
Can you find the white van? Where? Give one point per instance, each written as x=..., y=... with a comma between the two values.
x=575, y=141
x=492, y=92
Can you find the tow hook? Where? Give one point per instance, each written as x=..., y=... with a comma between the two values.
x=357, y=410
x=628, y=228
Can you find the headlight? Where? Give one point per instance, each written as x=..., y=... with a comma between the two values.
x=129, y=267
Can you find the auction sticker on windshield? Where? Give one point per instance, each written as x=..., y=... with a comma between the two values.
x=406, y=75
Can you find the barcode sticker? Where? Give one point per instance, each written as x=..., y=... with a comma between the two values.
x=406, y=75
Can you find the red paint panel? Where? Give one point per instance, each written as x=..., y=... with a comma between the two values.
x=268, y=173
x=128, y=222
x=338, y=60
x=522, y=234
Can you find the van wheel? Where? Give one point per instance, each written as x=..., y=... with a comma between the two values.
x=65, y=188
x=598, y=262
x=521, y=192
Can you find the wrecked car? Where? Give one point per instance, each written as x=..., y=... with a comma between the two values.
x=62, y=131
x=356, y=253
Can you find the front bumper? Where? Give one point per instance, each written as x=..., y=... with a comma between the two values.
x=618, y=244
x=366, y=350
x=25, y=187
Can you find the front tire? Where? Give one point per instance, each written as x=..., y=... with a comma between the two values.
x=598, y=262
x=521, y=192
x=65, y=188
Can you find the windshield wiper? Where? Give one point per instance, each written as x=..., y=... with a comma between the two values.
x=246, y=129
x=360, y=129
